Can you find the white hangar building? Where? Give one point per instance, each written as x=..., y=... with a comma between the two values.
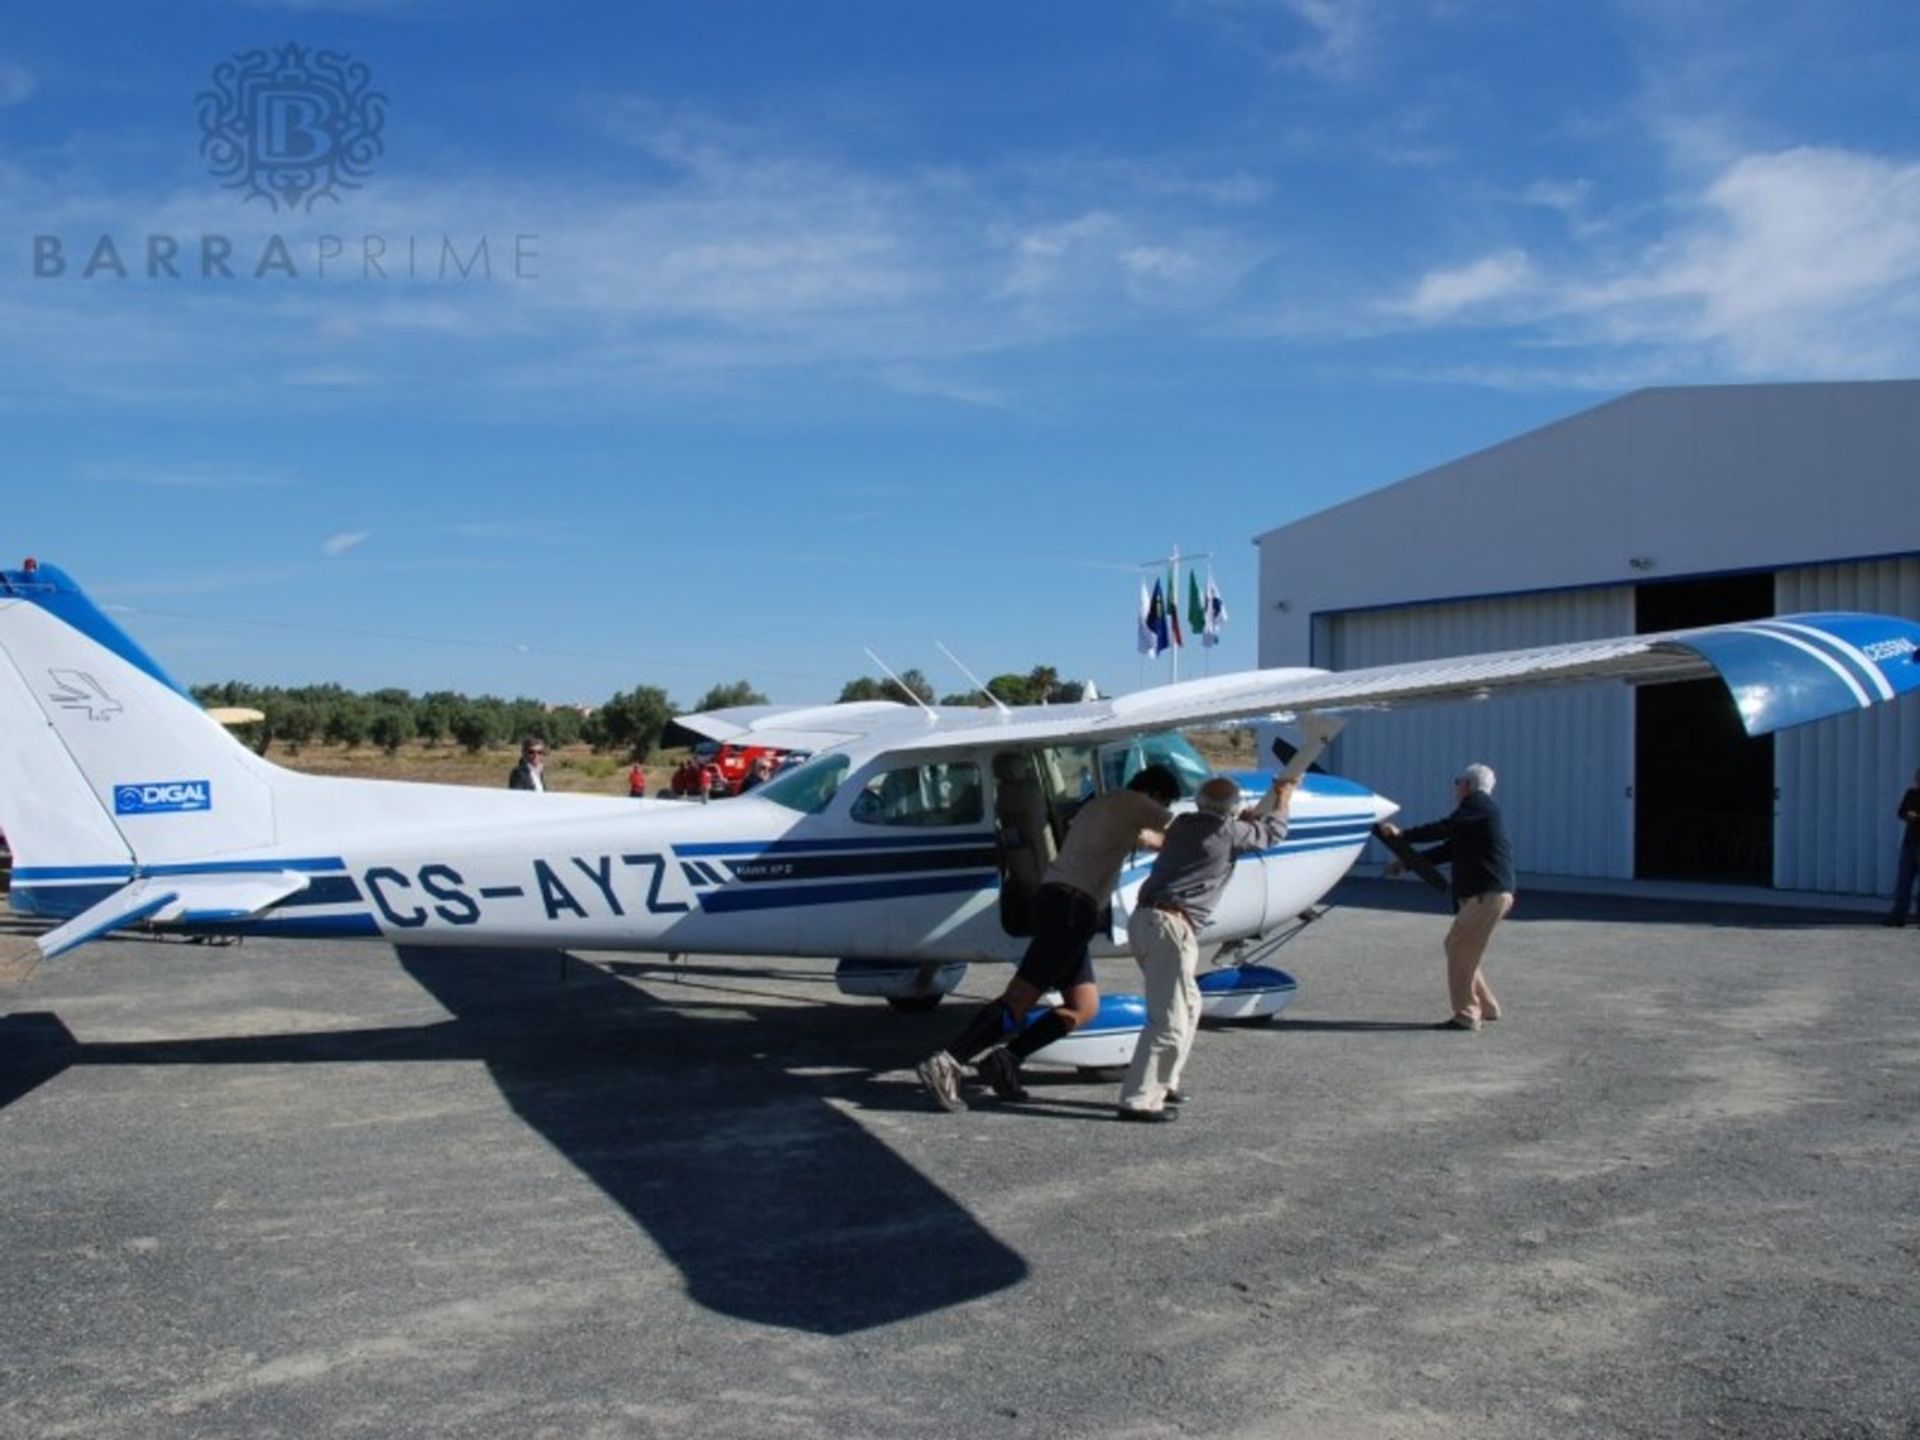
x=1662, y=509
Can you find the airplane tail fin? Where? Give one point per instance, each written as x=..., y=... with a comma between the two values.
x=107, y=767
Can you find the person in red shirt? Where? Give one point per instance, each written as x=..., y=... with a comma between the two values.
x=637, y=782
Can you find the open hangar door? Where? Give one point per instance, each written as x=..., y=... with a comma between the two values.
x=1703, y=789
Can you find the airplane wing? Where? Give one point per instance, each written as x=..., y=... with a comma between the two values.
x=1782, y=672
x=182, y=899
x=798, y=727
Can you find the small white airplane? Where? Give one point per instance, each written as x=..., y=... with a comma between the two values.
x=907, y=848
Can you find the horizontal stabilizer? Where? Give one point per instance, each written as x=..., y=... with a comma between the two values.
x=176, y=900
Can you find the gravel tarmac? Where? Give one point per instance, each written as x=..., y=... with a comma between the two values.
x=298, y=1189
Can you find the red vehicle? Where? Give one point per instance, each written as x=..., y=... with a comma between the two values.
x=717, y=771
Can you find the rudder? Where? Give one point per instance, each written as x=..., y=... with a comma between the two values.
x=105, y=762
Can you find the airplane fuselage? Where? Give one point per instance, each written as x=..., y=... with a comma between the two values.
x=740, y=876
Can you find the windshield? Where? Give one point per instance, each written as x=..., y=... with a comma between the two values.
x=808, y=789
x=1120, y=763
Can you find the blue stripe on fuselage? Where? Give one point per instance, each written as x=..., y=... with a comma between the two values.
x=795, y=895
x=307, y=865
x=806, y=847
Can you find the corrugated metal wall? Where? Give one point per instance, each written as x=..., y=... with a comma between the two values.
x=1840, y=780
x=1564, y=759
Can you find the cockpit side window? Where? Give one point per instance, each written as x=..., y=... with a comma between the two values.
x=810, y=788
x=937, y=794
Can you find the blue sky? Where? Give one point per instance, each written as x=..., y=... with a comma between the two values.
x=850, y=324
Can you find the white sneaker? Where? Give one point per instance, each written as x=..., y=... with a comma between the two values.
x=940, y=1073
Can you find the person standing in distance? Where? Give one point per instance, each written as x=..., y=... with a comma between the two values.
x=529, y=774
x=1066, y=915
x=1909, y=873
x=1176, y=901
x=1473, y=841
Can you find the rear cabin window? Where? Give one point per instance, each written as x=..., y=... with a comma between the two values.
x=928, y=795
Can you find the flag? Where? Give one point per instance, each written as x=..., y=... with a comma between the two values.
x=1216, y=612
x=1173, y=608
x=1144, y=619
x=1157, y=621
x=1196, y=609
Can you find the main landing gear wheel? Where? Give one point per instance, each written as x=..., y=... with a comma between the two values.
x=913, y=1004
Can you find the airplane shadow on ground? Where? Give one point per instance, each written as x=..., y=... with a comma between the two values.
x=776, y=1206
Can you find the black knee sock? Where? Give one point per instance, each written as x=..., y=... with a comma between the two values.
x=1042, y=1033
x=989, y=1025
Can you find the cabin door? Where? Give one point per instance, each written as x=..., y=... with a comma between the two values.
x=1035, y=796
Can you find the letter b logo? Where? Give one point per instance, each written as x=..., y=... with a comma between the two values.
x=291, y=129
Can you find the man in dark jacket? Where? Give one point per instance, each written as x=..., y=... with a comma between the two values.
x=527, y=775
x=1909, y=873
x=1473, y=840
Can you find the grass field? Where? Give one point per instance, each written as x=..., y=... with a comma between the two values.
x=575, y=768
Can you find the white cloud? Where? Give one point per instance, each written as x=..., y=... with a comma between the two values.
x=734, y=262
x=1793, y=264
x=1338, y=31
x=1041, y=255
x=1571, y=200
x=16, y=83
x=1444, y=294
x=1158, y=262
x=340, y=544
x=1800, y=261
x=1328, y=38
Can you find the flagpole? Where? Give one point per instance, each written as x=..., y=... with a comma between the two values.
x=1173, y=607
x=1206, y=650
x=1170, y=603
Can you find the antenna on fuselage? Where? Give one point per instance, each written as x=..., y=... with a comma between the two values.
x=995, y=699
x=912, y=694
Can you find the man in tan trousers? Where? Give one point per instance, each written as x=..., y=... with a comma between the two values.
x=1473, y=840
x=1176, y=901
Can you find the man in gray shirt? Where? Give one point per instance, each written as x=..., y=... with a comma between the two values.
x=1176, y=901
